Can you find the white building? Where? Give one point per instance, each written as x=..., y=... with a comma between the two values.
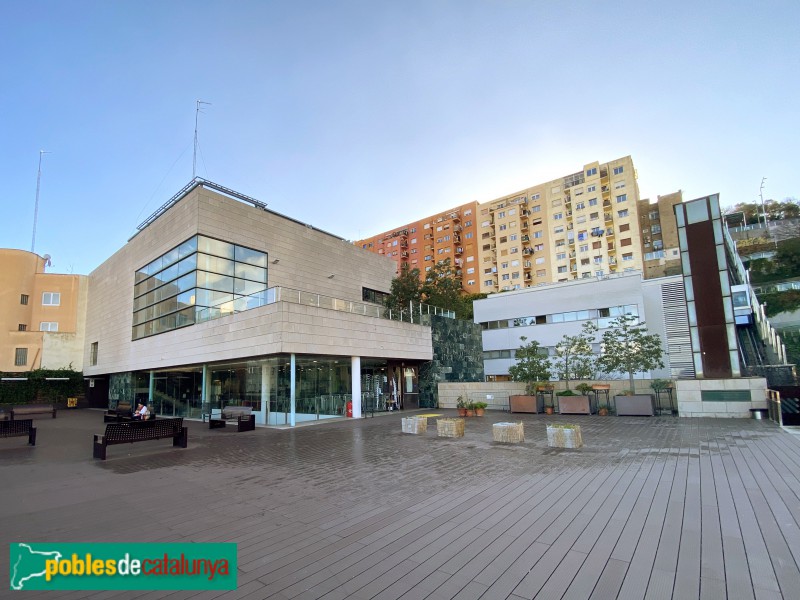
x=549, y=312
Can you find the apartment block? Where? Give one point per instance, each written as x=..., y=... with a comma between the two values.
x=660, y=248
x=450, y=234
x=42, y=315
x=581, y=225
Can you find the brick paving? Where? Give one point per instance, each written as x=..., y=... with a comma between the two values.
x=650, y=507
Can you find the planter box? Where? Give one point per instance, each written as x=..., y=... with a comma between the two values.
x=450, y=427
x=526, y=404
x=638, y=405
x=510, y=433
x=562, y=437
x=415, y=425
x=574, y=405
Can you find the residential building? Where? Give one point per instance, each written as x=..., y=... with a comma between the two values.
x=42, y=315
x=579, y=226
x=660, y=248
x=421, y=244
x=219, y=300
x=584, y=224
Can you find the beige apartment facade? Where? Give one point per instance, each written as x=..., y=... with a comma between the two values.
x=42, y=315
x=219, y=300
x=578, y=226
x=660, y=246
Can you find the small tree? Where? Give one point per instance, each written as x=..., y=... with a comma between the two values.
x=532, y=365
x=574, y=357
x=406, y=288
x=442, y=287
x=628, y=348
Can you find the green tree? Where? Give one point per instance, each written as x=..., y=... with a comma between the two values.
x=628, y=348
x=442, y=287
x=467, y=311
x=406, y=288
x=532, y=364
x=574, y=358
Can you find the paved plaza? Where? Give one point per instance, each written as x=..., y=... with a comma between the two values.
x=650, y=507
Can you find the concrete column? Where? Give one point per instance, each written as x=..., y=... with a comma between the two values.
x=292, y=376
x=204, y=390
x=150, y=391
x=266, y=384
x=355, y=386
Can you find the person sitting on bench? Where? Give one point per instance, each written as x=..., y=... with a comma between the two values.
x=141, y=412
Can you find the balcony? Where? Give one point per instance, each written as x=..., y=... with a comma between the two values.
x=459, y=250
x=608, y=217
x=610, y=231
x=527, y=265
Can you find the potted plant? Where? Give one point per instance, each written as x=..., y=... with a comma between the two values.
x=574, y=359
x=533, y=368
x=461, y=405
x=628, y=348
x=480, y=408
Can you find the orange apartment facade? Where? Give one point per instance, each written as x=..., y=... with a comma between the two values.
x=42, y=315
x=450, y=234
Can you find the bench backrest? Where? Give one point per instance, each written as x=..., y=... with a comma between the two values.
x=143, y=430
x=231, y=412
x=19, y=427
x=22, y=409
x=122, y=407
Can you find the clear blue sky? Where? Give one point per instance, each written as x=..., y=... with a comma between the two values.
x=358, y=116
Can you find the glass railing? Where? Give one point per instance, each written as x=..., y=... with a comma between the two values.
x=415, y=312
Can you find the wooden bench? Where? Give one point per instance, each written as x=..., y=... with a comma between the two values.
x=140, y=431
x=23, y=410
x=245, y=419
x=18, y=429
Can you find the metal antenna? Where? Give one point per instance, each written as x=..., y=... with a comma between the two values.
x=194, y=157
x=36, y=205
x=764, y=211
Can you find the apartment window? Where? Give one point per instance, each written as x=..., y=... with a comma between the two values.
x=624, y=227
x=658, y=245
x=541, y=272
x=535, y=197
x=514, y=250
x=413, y=251
x=556, y=202
x=655, y=216
x=558, y=216
x=536, y=208
x=505, y=277
x=586, y=274
x=592, y=171
x=560, y=243
x=583, y=248
x=625, y=242
x=540, y=260
x=513, y=237
x=618, y=170
x=627, y=256
x=622, y=197
x=559, y=229
x=622, y=213
x=468, y=236
x=48, y=326
x=537, y=234
x=470, y=271
x=562, y=269
x=488, y=282
x=514, y=263
x=470, y=258
x=591, y=188
x=593, y=202
x=503, y=227
x=599, y=273
x=413, y=240
x=486, y=224
x=597, y=245
x=429, y=257
x=428, y=268
x=581, y=219
x=501, y=214
x=580, y=206
x=540, y=247
x=467, y=212
x=582, y=236
x=23, y=299
x=598, y=260
x=20, y=357
x=619, y=185
x=594, y=216
x=413, y=230
x=471, y=282
x=468, y=224
x=439, y=228
x=394, y=243
x=512, y=212
x=447, y=238
x=504, y=265
x=561, y=256
x=22, y=327
x=51, y=299
x=584, y=262
x=515, y=275
x=655, y=228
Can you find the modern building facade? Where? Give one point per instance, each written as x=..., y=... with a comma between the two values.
x=548, y=313
x=219, y=300
x=42, y=315
x=421, y=244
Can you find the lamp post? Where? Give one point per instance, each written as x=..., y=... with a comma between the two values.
x=36, y=205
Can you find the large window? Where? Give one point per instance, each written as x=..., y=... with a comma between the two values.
x=48, y=326
x=201, y=279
